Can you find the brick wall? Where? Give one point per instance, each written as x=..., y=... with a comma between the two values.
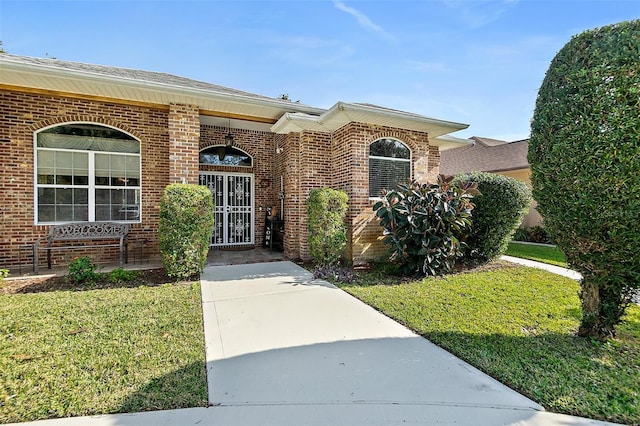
x=171, y=138
x=21, y=114
x=341, y=161
x=184, y=137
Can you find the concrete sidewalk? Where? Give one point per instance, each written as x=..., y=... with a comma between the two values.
x=284, y=349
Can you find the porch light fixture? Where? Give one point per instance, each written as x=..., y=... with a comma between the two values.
x=228, y=140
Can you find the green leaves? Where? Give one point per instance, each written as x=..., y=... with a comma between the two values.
x=585, y=157
x=326, y=211
x=498, y=212
x=184, y=232
x=425, y=224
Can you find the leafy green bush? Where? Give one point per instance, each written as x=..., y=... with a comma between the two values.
x=4, y=273
x=498, y=212
x=425, y=223
x=585, y=156
x=83, y=270
x=326, y=211
x=521, y=234
x=122, y=275
x=184, y=232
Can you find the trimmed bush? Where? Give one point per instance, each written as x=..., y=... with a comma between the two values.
x=425, y=224
x=184, y=232
x=498, y=212
x=585, y=157
x=326, y=211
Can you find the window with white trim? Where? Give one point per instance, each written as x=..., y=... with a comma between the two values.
x=389, y=164
x=86, y=173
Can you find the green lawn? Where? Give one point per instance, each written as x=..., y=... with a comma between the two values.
x=542, y=254
x=71, y=353
x=518, y=324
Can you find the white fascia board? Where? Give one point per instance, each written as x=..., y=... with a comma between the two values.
x=298, y=122
x=446, y=142
x=6, y=65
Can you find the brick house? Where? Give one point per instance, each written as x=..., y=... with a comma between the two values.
x=83, y=142
x=493, y=156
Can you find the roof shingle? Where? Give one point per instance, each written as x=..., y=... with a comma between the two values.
x=485, y=155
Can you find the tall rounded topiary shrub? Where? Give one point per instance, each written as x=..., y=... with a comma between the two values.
x=499, y=209
x=326, y=212
x=184, y=232
x=585, y=159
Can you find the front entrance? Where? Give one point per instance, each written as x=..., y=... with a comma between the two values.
x=234, y=216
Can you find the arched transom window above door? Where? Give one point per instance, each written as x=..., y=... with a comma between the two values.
x=389, y=164
x=225, y=156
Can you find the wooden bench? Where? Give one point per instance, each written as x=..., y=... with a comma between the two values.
x=104, y=234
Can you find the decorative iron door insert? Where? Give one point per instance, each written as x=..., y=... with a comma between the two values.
x=233, y=212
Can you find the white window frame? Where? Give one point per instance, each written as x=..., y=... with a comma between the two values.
x=91, y=187
x=377, y=157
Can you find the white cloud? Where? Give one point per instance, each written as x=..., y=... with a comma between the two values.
x=363, y=19
x=476, y=14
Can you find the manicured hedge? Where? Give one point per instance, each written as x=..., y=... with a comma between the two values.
x=499, y=209
x=326, y=211
x=585, y=160
x=184, y=232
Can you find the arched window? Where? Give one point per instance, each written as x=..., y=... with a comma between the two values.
x=86, y=173
x=224, y=156
x=389, y=164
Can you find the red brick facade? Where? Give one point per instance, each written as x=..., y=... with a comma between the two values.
x=341, y=161
x=171, y=138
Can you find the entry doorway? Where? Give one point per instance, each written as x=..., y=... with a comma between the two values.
x=233, y=195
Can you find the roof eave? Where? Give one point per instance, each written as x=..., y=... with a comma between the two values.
x=342, y=113
x=8, y=66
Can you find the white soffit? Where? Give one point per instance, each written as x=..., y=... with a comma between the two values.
x=343, y=113
x=446, y=142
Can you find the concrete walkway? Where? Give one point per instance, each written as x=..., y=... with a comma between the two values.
x=569, y=273
x=284, y=349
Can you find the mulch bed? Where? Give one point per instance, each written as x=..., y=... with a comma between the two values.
x=148, y=277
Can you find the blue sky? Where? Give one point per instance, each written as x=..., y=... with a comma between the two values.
x=478, y=62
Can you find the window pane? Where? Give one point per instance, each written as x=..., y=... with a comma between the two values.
x=103, y=196
x=133, y=166
x=64, y=213
x=46, y=159
x=64, y=160
x=46, y=178
x=386, y=174
x=46, y=213
x=102, y=162
x=64, y=196
x=46, y=195
x=80, y=196
x=80, y=213
x=389, y=148
x=103, y=213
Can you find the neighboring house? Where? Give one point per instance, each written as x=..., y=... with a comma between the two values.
x=495, y=156
x=84, y=143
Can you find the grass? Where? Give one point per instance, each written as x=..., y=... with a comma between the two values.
x=518, y=325
x=71, y=353
x=544, y=254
